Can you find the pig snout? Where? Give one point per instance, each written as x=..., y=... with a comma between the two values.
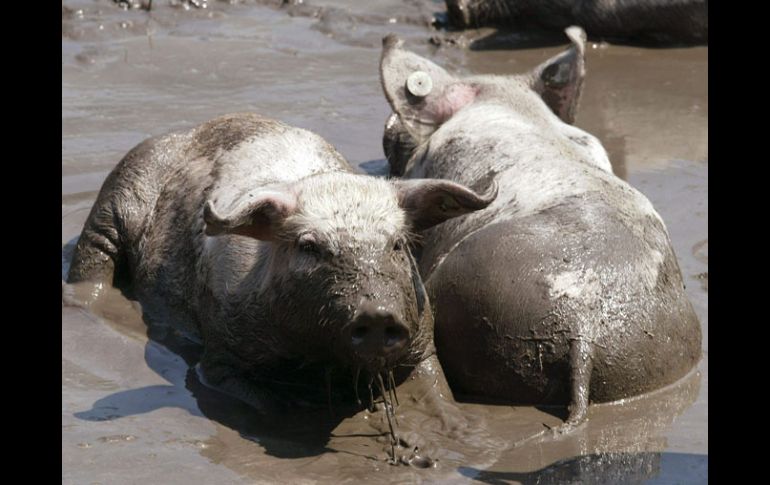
x=377, y=333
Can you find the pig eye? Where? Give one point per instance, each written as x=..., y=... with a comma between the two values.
x=398, y=245
x=308, y=244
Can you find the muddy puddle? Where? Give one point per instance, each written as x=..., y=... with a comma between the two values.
x=134, y=411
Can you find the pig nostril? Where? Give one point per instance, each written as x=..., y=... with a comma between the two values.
x=377, y=334
x=359, y=334
x=394, y=335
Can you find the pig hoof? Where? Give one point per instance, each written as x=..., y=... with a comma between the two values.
x=84, y=294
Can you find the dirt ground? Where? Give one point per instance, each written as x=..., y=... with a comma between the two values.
x=134, y=412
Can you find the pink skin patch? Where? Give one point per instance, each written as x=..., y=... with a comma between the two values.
x=450, y=101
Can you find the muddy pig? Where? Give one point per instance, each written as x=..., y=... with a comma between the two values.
x=566, y=288
x=648, y=21
x=258, y=240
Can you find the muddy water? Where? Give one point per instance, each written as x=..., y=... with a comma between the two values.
x=133, y=411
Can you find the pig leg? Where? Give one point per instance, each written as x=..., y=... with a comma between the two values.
x=127, y=197
x=224, y=376
x=97, y=249
x=95, y=258
x=427, y=389
x=100, y=250
x=249, y=393
x=426, y=394
x=437, y=396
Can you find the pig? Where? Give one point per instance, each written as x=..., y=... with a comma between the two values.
x=564, y=290
x=647, y=21
x=258, y=240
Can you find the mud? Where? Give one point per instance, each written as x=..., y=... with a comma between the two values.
x=132, y=408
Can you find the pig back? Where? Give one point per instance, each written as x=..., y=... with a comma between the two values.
x=510, y=297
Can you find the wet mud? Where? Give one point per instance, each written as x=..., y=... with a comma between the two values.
x=133, y=408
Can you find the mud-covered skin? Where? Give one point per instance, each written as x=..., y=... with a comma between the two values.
x=257, y=239
x=566, y=287
x=397, y=144
x=650, y=21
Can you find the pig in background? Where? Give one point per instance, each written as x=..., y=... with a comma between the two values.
x=566, y=288
x=660, y=22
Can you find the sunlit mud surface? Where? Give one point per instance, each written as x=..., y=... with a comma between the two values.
x=133, y=409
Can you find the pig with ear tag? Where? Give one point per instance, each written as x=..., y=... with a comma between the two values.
x=566, y=289
x=258, y=240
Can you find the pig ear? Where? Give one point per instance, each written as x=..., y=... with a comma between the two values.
x=256, y=214
x=559, y=80
x=422, y=94
x=428, y=202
